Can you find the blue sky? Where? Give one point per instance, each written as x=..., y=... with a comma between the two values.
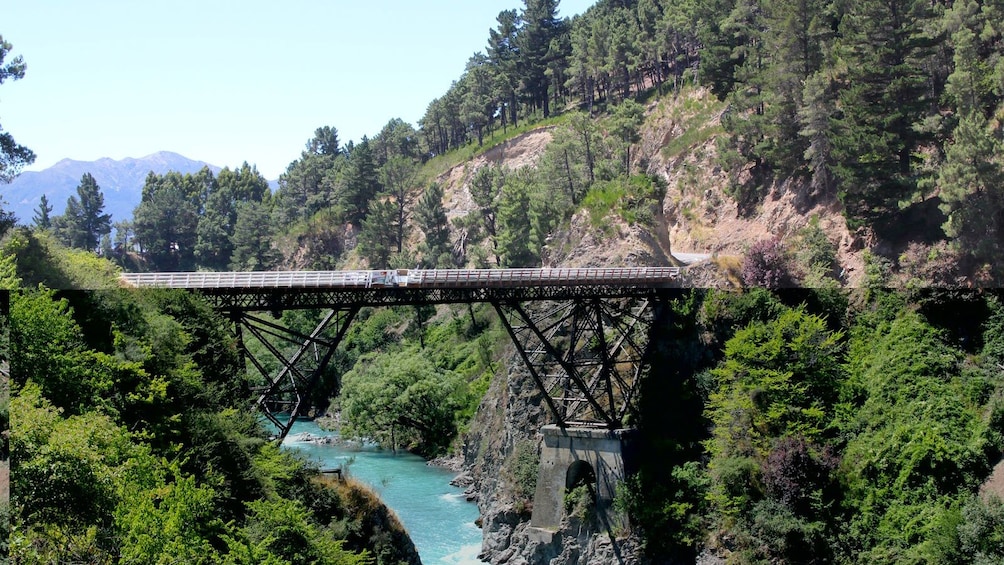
x=230, y=81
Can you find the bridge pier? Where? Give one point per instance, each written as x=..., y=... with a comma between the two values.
x=598, y=458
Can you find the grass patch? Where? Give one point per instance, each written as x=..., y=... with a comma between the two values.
x=442, y=163
x=695, y=114
x=731, y=267
x=633, y=199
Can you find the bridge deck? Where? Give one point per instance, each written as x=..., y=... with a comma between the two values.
x=653, y=277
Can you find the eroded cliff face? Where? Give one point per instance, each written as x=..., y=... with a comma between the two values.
x=509, y=421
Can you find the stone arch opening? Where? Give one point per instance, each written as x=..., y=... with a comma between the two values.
x=580, y=473
x=580, y=489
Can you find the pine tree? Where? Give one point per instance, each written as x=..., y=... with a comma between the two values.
x=485, y=189
x=503, y=53
x=360, y=183
x=166, y=223
x=302, y=188
x=432, y=220
x=971, y=183
x=398, y=178
x=514, y=223
x=540, y=26
x=882, y=99
x=213, y=246
x=324, y=142
x=84, y=221
x=252, y=240
x=42, y=217
x=13, y=157
x=378, y=236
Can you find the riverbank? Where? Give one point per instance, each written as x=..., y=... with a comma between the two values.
x=437, y=515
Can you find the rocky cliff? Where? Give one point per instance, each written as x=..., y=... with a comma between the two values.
x=696, y=214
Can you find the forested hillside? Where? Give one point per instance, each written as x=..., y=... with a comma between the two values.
x=793, y=426
x=131, y=438
x=892, y=109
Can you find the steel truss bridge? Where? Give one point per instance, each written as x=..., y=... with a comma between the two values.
x=582, y=334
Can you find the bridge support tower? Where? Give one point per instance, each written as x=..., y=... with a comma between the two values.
x=598, y=459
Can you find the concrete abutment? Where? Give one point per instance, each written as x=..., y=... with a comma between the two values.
x=573, y=456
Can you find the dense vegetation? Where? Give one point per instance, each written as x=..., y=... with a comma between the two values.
x=131, y=438
x=821, y=426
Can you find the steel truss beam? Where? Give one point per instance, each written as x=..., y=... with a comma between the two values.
x=288, y=390
x=584, y=346
x=278, y=300
x=586, y=355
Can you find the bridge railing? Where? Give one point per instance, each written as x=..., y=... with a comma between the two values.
x=420, y=278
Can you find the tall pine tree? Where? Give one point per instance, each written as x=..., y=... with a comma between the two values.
x=882, y=99
x=84, y=222
x=43, y=213
x=432, y=220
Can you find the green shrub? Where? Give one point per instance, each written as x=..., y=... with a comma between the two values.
x=523, y=466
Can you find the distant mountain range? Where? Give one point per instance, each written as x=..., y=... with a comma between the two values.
x=121, y=183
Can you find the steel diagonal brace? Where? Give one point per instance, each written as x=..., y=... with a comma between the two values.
x=566, y=366
x=299, y=384
x=558, y=417
x=610, y=356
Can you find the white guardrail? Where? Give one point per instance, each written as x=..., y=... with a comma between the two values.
x=420, y=278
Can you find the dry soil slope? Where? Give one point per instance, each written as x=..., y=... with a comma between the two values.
x=679, y=144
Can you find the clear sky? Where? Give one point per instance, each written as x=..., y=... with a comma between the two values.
x=228, y=81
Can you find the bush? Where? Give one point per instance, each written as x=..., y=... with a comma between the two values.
x=981, y=531
x=797, y=475
x=766, y=265
x=580, y=502
x=523, y=464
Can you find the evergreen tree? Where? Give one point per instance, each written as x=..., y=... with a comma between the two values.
x=478, y=107
x=7, y=219
x=303, y=189
x=84, y=221
x=398, y=178
x=580, y=76
x=122, y=242
x=378, y=236
x=13, y=157
x=324, y=142
x=819, y=104
x=397, y=138
x=214, y=241
x=627, y=118
x=485, y=188
x=213, y=245
x=540, y=26
x=721, y=44
x=42, y=217
x=514, y=223
x=166, y=222
x=245, y=184
x=971, y=183
x=252, y=239
x=432, y=220
x=564, y=168
x=359, y=183
x=882, y=100
x=503, y=54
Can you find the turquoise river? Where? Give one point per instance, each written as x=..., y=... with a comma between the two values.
x=438, y=517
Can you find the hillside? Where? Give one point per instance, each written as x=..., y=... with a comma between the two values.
x=678, y=143
x=684, y=508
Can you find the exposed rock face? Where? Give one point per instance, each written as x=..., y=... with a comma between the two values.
x=513, y=411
